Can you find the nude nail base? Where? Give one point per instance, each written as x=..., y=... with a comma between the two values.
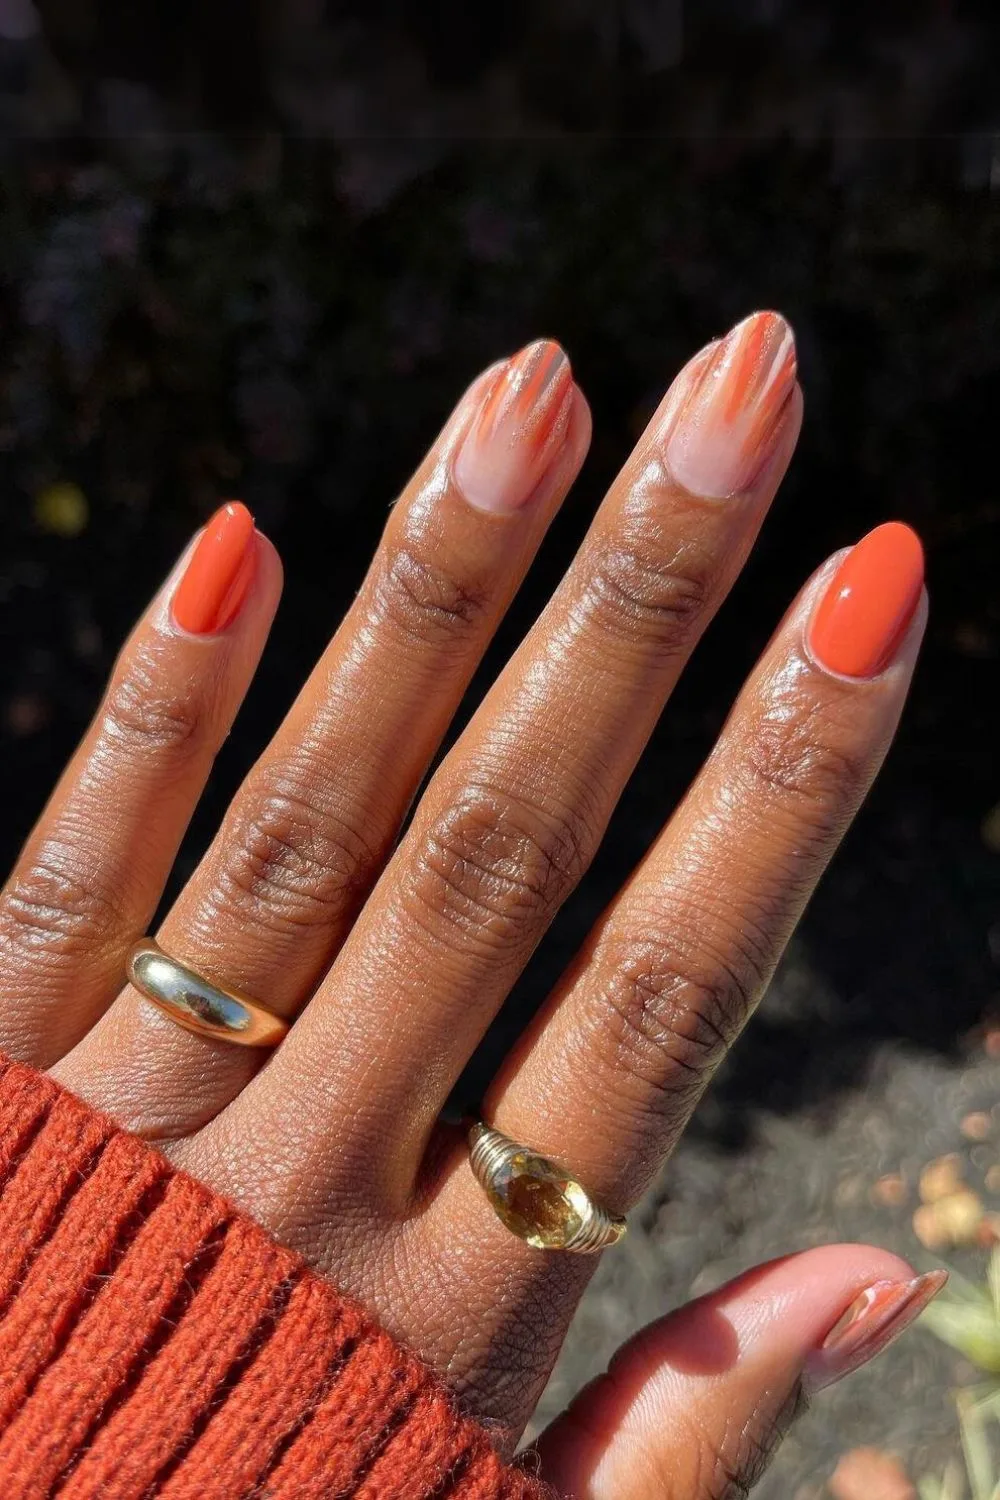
x=517, y=431
x=730, y=421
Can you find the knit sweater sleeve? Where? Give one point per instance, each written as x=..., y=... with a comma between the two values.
x=156, y=1342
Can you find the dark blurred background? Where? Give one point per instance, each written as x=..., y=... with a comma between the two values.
x=257, y=249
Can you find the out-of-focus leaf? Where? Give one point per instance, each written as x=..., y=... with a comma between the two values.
x=973, y=1331
x=993, y=1282
x=976, y=1447
x=950, y=1487
x=988, y=1402
x=965, y=1317
x=953, y=1484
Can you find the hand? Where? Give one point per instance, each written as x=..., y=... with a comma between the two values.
x=394, y=957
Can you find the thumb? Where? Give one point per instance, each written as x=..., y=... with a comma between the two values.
x=693, y=1406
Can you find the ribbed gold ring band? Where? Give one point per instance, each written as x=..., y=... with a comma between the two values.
x=538, y=1201
x=197, y=1004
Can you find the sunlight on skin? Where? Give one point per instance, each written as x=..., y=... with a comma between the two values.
x=695, y=1394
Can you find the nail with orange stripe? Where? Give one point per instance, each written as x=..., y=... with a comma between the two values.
x=728, y=421
x=865, y=614
x=874, y=1320
x=518, y=430
x=219, y=574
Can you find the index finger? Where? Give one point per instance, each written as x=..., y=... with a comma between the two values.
x=93, y=870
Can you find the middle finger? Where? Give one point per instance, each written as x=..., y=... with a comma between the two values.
x=514, y=815
x=311, y=826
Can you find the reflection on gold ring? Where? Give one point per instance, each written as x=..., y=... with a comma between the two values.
x=198, y=1005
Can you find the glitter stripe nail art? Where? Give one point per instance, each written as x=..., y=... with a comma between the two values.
x=731, y=420
x=518, y=430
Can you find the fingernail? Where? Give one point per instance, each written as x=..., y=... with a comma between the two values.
x=872, y=1322
x=219, y=574
x=865, y=613
x=731, y=421
x=517, y=431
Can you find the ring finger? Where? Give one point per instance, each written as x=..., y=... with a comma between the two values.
x=606, y=1077
x=673, y=969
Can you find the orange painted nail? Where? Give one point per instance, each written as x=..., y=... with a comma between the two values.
x=869, y=604
x=218, y=577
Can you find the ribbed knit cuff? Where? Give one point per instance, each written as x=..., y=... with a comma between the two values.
x=154, y=1341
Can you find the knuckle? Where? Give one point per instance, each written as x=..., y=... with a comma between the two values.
x=668, y=1021
x=139, y=716
x=290, y=861
x=795, y=758
x=53, y=906
x=495, y=867
x=638, y=589
x=426, y=602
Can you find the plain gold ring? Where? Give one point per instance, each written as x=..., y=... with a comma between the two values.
x=538, y=1201
x=198, y=1005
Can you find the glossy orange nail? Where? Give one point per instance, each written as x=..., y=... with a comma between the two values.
x=722, y=433
x=219, y=574
x=878, y=1316
x=866, y=611
x=518, y=430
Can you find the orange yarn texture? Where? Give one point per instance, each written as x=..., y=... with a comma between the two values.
x=156, y=1342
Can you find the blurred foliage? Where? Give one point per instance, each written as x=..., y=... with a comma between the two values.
x=966, y=1316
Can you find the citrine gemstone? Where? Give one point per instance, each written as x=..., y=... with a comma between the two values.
x=537, y=1201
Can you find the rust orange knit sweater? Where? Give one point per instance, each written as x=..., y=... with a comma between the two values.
x=153, y=1341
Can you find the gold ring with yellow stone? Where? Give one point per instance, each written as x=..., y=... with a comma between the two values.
x=536, y=1200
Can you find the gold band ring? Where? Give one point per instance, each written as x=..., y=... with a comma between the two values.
x=536, y=1200
x=198, y=1005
